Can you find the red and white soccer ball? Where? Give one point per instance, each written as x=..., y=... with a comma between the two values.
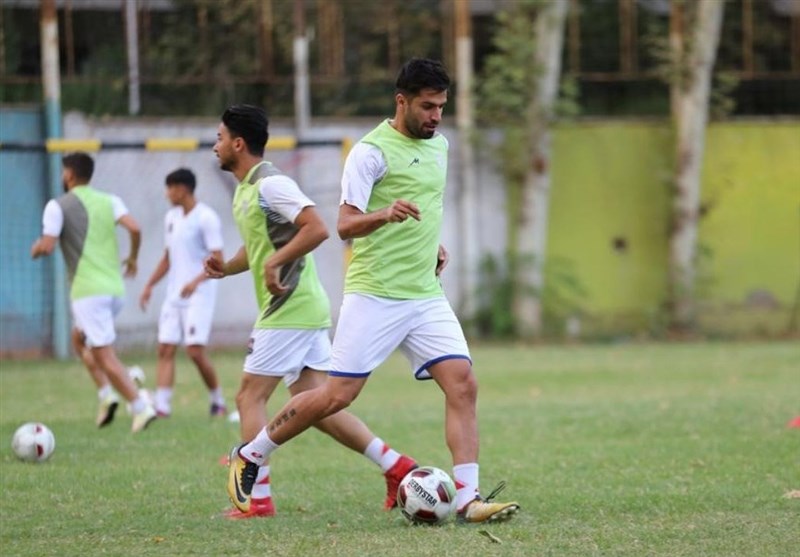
x=427, y=495
x=33, y=442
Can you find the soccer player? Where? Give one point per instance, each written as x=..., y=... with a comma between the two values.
x=391, y=205
x=280, y=227
x=84, y=220
x=192, y=232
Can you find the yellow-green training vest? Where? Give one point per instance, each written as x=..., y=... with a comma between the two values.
x=398, y=260
x=305, y=305
x=89, y=243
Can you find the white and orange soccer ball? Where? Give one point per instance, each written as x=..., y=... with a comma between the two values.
x=427, y=495
x=33, y=442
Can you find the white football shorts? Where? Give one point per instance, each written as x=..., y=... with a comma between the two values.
x=187, y=321
x=94, y=317
x=370, y=328
x=287, y=352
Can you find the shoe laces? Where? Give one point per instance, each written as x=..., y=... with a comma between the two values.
x=495, y=492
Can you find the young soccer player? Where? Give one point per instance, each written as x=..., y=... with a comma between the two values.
x=391, y=205
x=192, y=232
x=280, y=227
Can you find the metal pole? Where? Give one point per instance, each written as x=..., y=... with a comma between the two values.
x=51, y=81
x=132, y=38
x=302, y=95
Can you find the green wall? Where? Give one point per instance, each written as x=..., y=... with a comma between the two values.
x=611, y=185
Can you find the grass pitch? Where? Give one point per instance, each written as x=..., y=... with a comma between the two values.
x=610, y=450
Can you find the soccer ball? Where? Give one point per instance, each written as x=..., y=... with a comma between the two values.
x=33, y=442
x=426, y=495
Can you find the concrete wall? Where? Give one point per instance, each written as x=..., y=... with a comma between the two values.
x=610, y=214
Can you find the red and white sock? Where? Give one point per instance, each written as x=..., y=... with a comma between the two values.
x=258, y=450
x=466, y=478
x=262, y=489
x=381, y=454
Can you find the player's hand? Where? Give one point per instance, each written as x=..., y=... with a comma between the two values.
x=214, y=268
x=400, y=210
x=144, y=298
x=130, y=268
x=188, y=289
x=272, y=280
x=442, y=259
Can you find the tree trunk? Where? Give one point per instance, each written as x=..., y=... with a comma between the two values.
x=691, y=94
x=549, y=28
x=468, y=208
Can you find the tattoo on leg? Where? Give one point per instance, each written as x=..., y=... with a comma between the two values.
x=282, y=419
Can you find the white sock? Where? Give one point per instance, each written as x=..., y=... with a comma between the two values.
x=104, y=391
x=262, y=489
x=381, y=454
x=466, y=478
x=215, y=397
x=258, y=450
x=138, y=405
x=163, y=401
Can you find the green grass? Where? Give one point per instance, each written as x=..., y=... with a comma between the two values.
x=610, y=450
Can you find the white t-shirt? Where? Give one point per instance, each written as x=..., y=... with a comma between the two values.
x=53, y=216
x=189, y=239
x=283, y=196
x=363, y=168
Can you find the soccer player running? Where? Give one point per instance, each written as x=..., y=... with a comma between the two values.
x=280, y=227
x=84, y=220
x=192, y=232
x=392, y=200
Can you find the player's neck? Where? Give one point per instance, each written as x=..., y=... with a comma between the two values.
x=245, y=165
x=188, y=204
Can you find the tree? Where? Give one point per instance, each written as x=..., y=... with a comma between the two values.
x=522, y=78
x=693, y=47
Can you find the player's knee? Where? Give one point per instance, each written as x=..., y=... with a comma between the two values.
x=166, y=351
x=465, y=390
x=339, y=400
x=195, y=353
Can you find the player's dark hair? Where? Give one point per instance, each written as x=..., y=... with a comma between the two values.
x=183, y=177
x=421, y=73
x=81, y=164
x=250, y=123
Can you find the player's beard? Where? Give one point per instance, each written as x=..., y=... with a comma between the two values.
x=415, y=128
x=64, y=185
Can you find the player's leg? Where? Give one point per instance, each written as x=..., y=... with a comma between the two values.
x=251, y=402
x=108, y=400
x=350, y=431
x=169, y=336
x=95, y=317
x=196, y=331
x=165, y=378
x=437, y=349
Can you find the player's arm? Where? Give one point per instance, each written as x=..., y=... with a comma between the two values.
x=135, y=234
x=442, y=258
x=353, y=223
x=216, y=268
x=366, y=166
x=310, y=234
x=158, y=273
x=52, y=223
x=189, y=288
x=43, y=246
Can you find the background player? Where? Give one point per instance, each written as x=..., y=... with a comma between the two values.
x=84, y=220
x=192, y=232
